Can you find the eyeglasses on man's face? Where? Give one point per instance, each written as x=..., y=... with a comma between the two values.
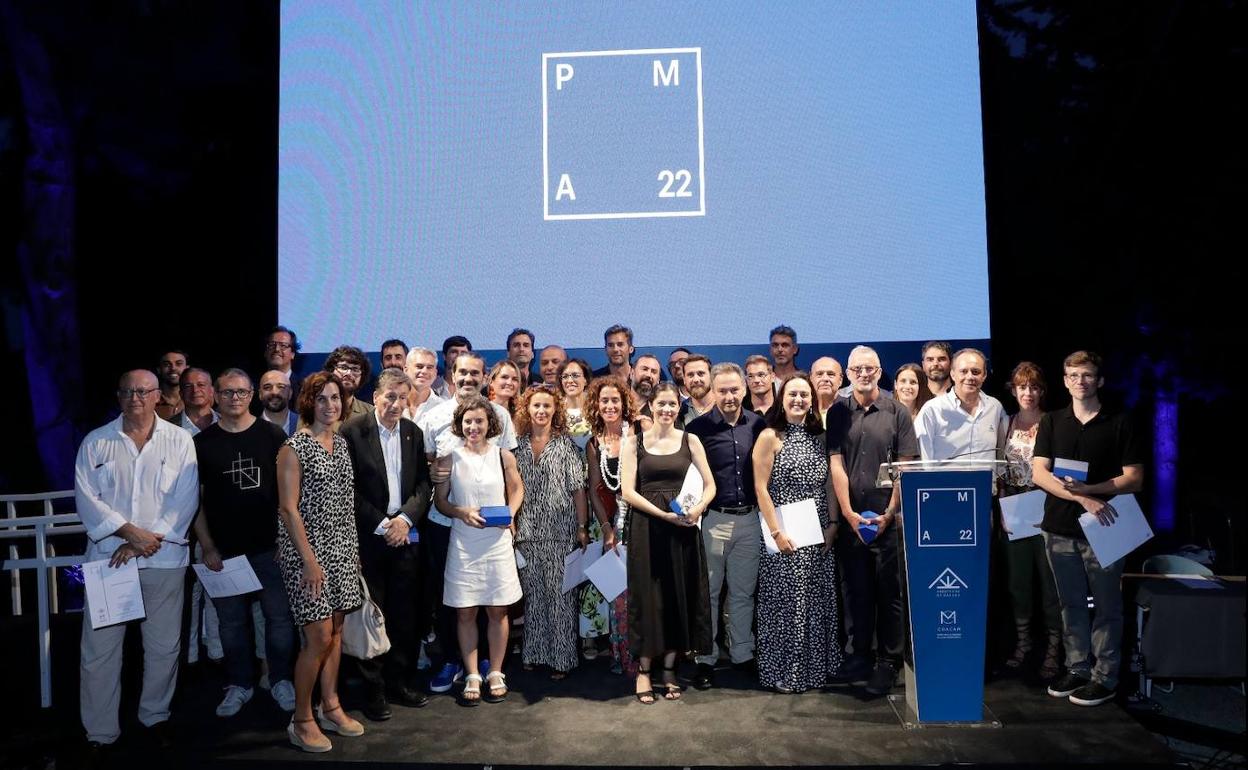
x=348, y=368
x=128, y=393
x=275, y=345
x=229, y=394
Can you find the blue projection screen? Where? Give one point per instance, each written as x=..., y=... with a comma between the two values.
x=697, y=171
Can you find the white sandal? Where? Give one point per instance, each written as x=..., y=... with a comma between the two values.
x=496, y=680
x=472, y=684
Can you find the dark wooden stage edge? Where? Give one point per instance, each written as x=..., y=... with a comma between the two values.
x=590, y=720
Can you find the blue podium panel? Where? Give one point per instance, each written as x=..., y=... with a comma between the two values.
x=945, y=521
x=622, y=134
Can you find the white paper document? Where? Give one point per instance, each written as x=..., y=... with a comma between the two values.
x=576, y=564
x=113, y=595
x=573, y=569
x=593, y=552
x=1128, y=532
x=236, y=577
x=610, y=573
x=690, y=491
x=1023, y=513
x=799, y=521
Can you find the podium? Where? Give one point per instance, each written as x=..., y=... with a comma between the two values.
x=946, y=533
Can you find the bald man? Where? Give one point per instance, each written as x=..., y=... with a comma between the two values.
x=827, y=375
x=136, y=486
x=552, y=356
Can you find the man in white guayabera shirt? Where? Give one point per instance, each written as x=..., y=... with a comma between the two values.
x=136, y=485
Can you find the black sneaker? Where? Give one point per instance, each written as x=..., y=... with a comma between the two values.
x=1064, y=687
x=882, y=679
x=856, y=672
x=1091, y=694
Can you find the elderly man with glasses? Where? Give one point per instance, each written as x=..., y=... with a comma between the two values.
x=136, y=487
x=864, y=430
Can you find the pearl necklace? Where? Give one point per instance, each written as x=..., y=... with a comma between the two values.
x=612, y=483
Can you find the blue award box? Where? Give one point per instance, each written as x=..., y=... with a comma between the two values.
x=496, y=515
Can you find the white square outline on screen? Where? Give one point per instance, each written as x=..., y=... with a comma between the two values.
x=918, y=507
x=546, y=215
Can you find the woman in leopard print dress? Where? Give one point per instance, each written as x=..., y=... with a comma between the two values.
x=319, y=553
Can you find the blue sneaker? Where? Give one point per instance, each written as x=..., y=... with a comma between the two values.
x=448, y=676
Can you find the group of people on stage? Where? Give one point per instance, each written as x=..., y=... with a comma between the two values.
x=453, y=499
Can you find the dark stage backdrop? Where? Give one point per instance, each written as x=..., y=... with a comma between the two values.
x=138, y=151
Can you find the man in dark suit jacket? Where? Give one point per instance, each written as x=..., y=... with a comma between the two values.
x=392, y=494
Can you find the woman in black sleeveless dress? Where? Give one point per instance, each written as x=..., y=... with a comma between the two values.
x=669, y=604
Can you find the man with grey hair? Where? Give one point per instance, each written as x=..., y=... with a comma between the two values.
x=238, y=517
x=730, y=528
x=136, y=487
x=197, y=414
x=963, y=422
x=865, y=430
x=197, y=397
x=392, y=492
x=422, y=369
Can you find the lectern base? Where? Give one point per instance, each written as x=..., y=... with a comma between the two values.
x=910, y=720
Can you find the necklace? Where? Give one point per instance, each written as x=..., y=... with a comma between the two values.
x=610, y=481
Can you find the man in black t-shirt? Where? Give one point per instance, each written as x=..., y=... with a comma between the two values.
x=238, y=517
x=1086, y=432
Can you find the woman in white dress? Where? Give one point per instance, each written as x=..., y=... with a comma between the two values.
x=480, y=563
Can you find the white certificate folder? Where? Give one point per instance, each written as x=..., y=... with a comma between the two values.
x=235, y=578
x=113, y=594
x=799, y=521
x=1128, y=532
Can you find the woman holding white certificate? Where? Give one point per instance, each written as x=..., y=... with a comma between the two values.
x=482, y=480
x=669, y=595
x=798, y=617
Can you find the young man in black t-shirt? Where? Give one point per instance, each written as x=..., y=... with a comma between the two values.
x=238, y=517
x=1088, y=432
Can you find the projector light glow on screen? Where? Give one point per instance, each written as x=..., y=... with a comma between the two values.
x=697, y=171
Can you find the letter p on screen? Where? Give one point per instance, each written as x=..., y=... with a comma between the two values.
x=563, y=73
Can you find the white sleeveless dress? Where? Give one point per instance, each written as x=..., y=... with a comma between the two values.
x=481, y=563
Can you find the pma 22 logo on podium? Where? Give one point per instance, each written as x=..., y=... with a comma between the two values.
x=947, y=583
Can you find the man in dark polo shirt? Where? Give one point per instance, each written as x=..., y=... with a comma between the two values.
x=865, y=430
x=730, y=529
x=1086, y=431
x=238, y=517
